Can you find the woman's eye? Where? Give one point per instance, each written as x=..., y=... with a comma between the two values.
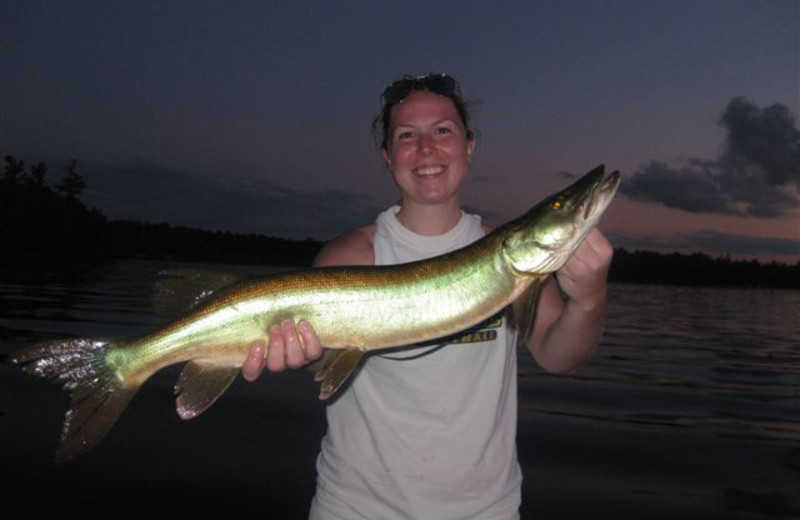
x=404, y=136
x=444, y=130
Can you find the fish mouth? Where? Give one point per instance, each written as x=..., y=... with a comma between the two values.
x=544, y=238
x=608, y=186
x=601, y=193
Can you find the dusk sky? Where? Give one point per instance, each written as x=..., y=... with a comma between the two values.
x=255, y=116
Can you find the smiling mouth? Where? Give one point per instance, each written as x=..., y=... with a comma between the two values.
x=425, y=171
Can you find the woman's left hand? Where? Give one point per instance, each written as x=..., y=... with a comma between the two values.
x=583, y=277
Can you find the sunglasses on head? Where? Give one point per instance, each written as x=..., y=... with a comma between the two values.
x=441, y=84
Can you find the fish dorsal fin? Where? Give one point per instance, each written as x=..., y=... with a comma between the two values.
x=200, y=385
x=178, y=290
x=523, y=311
x=335, y=370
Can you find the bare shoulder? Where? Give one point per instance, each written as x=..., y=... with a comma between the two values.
x=352, y=248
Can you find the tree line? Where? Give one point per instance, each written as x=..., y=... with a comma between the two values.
x=700, y=269
x=40, y=223
x=44, y=225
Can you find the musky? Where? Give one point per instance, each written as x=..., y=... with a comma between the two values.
x=254, y=116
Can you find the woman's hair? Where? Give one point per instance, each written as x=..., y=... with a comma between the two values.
x=441, y=84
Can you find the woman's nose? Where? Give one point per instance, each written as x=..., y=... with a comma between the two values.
x=425, y=144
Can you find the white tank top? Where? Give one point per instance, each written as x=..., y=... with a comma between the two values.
x=427, y=433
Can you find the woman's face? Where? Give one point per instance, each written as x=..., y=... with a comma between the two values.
x=428, y=149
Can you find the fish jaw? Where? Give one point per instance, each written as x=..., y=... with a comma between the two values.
x=542, y=240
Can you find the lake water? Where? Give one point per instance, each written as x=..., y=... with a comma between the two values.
x=690, y=409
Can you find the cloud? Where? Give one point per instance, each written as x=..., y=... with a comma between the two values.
x=147, y=191
x=757, y=174
x=765, y=138
x=694, y=187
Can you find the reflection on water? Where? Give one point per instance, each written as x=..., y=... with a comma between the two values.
x=694, y=394
x=723, y=360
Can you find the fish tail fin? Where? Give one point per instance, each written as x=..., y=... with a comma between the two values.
x=97, y=395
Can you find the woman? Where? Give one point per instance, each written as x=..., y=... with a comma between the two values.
x=430, y=432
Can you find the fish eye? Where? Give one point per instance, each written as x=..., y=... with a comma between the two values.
x=557, y=204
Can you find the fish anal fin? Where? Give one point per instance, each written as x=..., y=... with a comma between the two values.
x=179, y=290
x=523, y=311
x=336, y=369
x=200, y=384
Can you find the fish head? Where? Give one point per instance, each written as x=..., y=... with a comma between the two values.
x=542, y=240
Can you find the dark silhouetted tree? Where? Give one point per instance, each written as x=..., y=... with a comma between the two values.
x=13, y=171
x=72, y=183
x=38, y=172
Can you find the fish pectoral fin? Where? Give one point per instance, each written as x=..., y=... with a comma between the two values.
x=200, y=384
x=179, y=290
x=336, y=369
x=523, y=312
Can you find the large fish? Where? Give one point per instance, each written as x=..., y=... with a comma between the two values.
x=353, y=309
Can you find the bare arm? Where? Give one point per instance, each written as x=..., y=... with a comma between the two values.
x=566, y=332
x=295, y=345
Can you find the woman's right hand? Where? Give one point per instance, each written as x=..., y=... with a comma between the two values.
x=289, y=346
x=295, y=346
